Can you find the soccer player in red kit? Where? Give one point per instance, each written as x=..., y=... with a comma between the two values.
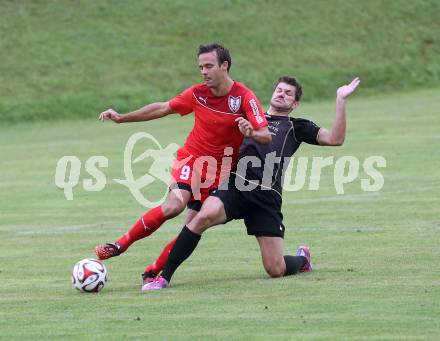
x=220, y=105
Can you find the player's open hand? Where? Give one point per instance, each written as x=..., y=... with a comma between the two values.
x=244, y=126
x=346, y=90
x=110, y=114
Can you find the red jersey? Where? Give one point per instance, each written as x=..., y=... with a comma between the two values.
x=215, y=127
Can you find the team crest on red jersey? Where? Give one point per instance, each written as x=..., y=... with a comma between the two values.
x=234, y=103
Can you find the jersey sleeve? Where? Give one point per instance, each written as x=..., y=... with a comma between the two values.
x=183, y=103
x=253, y=111
x=306, y=131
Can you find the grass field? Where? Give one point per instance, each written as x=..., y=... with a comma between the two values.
x=68, y=59
x=375, y=254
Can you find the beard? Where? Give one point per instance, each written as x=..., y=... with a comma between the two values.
x=280, y=106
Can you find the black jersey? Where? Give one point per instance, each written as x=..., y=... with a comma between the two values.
x=287, y=135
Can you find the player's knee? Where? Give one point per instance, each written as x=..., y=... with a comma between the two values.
x=172, y=208
x=275, y=269
x=275, y=272
x=207, y=216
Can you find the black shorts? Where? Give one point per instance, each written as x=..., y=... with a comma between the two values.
x=195, y=205
x=260, y=209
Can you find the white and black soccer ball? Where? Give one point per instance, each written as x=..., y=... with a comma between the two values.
x=89, y=275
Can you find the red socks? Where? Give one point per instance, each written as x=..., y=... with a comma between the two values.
x=145, y=226
x=160, y=262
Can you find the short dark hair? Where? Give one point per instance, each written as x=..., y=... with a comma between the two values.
x=291, y=81
x=222, y=53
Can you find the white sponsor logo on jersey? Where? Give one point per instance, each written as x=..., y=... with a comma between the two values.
x=234, y=103
x=255, y=110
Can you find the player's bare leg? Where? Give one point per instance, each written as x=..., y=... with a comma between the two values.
x=175, y=203
x=212, y=213
x=272, y=254
x=276, y=263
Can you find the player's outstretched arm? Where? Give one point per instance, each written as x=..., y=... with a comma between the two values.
x=336, y=135
x=146, y=113
x=261, y=135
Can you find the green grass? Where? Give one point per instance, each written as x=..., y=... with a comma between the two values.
x=64, y=59
x=375, y=254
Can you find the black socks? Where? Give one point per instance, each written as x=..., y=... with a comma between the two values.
x=293, y=264
x=186, y=242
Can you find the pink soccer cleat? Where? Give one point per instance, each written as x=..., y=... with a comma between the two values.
x=148, y=277
x=304, y=251
x=158, y=284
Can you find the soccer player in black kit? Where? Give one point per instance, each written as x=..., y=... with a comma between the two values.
x=253, y=191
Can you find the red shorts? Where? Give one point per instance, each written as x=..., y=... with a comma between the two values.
x=199, y=175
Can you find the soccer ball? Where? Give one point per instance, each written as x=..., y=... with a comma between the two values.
x=89, y=275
